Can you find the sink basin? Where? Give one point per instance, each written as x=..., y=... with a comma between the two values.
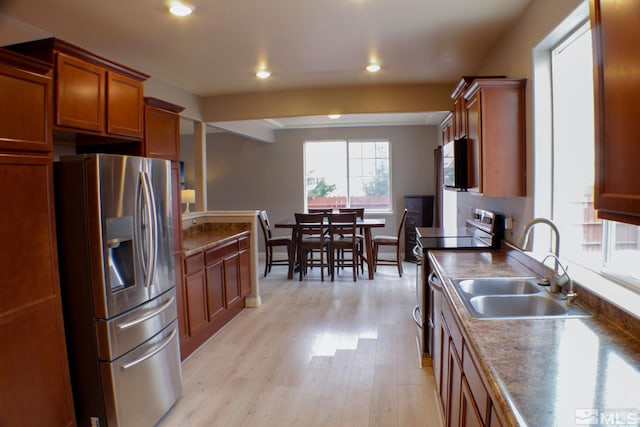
x=516, y=306
x=498, y=286
x=512, y=298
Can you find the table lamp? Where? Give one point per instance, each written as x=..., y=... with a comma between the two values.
x=188, y=196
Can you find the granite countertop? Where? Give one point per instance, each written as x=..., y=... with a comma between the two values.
x=546, y=372
x=206, y=236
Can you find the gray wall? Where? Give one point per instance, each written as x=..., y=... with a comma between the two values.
x=246, y=174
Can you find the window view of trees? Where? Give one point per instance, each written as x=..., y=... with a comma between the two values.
x=347, y=174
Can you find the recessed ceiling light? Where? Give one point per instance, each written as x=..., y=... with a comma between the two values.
x=373, y=68
x=263, y=74
x=334, y=116
x=180, y=9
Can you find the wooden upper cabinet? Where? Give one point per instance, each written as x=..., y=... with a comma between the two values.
x=615, y=33
x=93, y=95
x=25, y=85
x=446, y=129
x=124, y=105
x=496, y=133
x=161, y=129
x=80, y=89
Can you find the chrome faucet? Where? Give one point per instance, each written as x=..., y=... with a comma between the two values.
x=524, y=238
x=557, y=283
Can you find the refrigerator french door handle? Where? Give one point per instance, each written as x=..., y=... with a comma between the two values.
x=154, y=229
x=149, y=259
x=417, y=316
x=152, y=353
x=146, y=316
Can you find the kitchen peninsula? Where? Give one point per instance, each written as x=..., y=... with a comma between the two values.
x=538, y=372
x=220, y=273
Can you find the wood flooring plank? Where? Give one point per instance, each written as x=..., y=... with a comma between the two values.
x=313, y=354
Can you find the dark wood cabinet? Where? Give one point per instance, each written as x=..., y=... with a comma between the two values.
x=245, y=266
x=214, y=286
x=496, y=134
x=93, y=95
x=162, y=129
x=36, y=386
x=446, y=129
x=419, y=214
x=463, y=395
x=196, y=293
x=615, y=33
x=25, y=104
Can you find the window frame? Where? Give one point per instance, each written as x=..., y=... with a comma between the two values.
x=348, y=141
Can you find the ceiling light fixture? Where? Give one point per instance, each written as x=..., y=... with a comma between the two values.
x=334, y=116
x=180, y=9
x=373, y=68
x=263, y=74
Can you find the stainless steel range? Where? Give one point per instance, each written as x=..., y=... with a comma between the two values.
x=483, y=231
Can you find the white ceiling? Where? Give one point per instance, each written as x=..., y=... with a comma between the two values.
x=305, y=43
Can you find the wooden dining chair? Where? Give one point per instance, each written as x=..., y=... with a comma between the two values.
x=360, y=235
x=271, y=242
x=343, y=239
x=311, y=234
x=324, y=211
x=389, y=241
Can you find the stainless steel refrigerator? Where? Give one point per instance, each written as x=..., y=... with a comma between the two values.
x=115, y=242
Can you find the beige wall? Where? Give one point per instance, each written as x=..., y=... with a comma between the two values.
x=342, y=100
x=247, y=174
x=512, y=56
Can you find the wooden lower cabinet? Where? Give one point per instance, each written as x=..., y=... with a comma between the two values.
x=463, y=395
x=214, y=287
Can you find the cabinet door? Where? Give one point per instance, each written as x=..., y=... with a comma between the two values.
x=215, y=288
x=231, y=279
x=35, y=387
x=162, y=133
x=469, y=414
x=455, y=386
x=445, y=338
x=615, y=33
x=80, y=94
x=474, y=153
x=124, y=105
x=24, y=105
x=195, y=286
x=183, y=323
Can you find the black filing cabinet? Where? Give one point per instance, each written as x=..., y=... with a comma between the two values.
x=419, y=214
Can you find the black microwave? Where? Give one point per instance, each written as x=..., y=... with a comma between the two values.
x=456, y=165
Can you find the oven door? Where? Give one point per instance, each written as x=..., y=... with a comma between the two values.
x=420, y=310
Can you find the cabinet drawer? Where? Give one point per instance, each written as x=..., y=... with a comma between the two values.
x=221, y=252
x=194, y=263
x=454, y=330
x=413, y=221
x=243, y=243
x=476, y=385
x=413, y=204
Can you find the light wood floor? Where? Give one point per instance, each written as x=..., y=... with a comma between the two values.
x=314, y=354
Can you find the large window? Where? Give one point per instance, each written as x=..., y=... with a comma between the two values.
x=344, y=173
x=606, y=247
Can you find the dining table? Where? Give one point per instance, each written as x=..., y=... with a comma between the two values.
x=366, y=224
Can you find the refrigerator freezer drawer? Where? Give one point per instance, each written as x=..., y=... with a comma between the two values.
x=145, y=383
x=123, y=333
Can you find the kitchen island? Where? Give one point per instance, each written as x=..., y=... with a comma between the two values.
x=540, y=372
x=219, y=274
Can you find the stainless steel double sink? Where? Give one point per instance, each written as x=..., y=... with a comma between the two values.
x=512, y=298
